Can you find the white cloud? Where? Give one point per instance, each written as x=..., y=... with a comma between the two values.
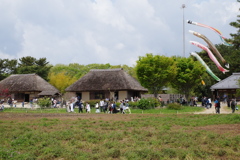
x=107, y=31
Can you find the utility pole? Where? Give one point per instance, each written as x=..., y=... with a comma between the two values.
x=183, y=6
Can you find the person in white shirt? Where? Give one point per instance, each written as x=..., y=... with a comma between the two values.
x=71, y=106
x=97, y=108
x=88, y=108
x=101, y=105
x=209, y=102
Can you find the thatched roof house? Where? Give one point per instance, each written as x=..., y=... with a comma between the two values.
x=24, y=87
x=106, y=83
x=227, y=87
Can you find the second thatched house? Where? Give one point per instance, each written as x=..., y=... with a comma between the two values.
x=106, y=83
x=227, y=87
x=24, y=87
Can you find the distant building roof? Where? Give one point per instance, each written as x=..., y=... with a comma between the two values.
x=230, y=82
x=27, y=83
x=106, y=79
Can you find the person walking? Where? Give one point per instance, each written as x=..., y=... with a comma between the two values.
x=209, y=102
x=121, y=107
x=233, y=105
x=217, y=105
x=114, y=109
x=80, y=109
x=105, y=107
x=71, y=106
x=88, y=108
x=101, y=103
x=97, y=108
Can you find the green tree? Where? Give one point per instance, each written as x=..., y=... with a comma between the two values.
x=7, y=67
x=61, y=80
x=32, y=65
x=188, y=75
x=155, y=72
x=236, y=36
x=44, y=102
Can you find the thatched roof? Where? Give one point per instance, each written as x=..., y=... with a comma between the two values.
x=106, y=79
x=230, y=82
x=49, y=93
x=27, y=83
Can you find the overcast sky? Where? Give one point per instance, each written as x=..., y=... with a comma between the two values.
x=108, y=31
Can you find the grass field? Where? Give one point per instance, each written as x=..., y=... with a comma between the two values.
x=185, y=109
x=158, y=134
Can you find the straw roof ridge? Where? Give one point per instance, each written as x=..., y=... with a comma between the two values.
x=107, y=79
x=108, y=70
x=26, y=82
x=230, y=82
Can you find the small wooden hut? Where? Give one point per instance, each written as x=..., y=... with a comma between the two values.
x=227, y=87
x=106, y=83
x=24, y=87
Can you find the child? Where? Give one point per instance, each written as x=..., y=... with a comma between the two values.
x=97, y=108
x=88, y=109
x=217, y=106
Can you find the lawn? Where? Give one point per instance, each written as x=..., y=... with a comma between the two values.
x=185, y=109
x=36, y=134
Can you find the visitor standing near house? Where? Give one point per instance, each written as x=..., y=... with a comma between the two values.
x=228, y=102
x=110, y=108
x=54, y=103
x=225, y=98
x=160, y=101
x=121, y=106
x=217, y=105
x=209, y=102
x=105, y=106
x=97, y=107
x=88, y=108
x=1, y=106
x=68, y=106
x=10, y=102
x=206, y=102
x=31, y=103
x=101, y=103
x=124, y=108
x=80, y=109
x=71, y=106
x=114, y=107
x=233, y=104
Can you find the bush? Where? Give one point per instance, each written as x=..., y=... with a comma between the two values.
x=147, y=103
x=174, y=106
x=92, y=103
x=44, y=102
x=133, y=104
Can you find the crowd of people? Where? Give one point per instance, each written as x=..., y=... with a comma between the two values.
x=207, y=103
x=102, y=106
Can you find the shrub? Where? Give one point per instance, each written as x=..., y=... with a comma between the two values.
x=147, y=103
x=154, y=102
x=174, y=106
x=92, y=102
x=44, y=102
x=133, y=104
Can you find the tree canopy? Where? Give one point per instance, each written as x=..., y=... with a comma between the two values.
x=188, y=75
x=30, y=64
x=155, y=72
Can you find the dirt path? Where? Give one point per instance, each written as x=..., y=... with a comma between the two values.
x=224, y=110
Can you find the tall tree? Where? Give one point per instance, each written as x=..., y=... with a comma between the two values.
x=30, y=64
x=236, y=36
x=61, y=80
x=188, y=75
x=7, y=67
x=155, y=72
